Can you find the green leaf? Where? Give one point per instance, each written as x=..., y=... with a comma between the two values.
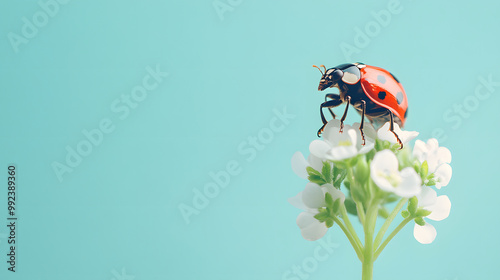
x=316, y=179
x=323, y=216
x=315, y=176
x=371, y=154
x=312, y=171
x=412, y=205
x=379, y=145
x=383, y=145
x=329, y=223
x=431, y=182
x=424, y=170
x=335, y=206
x=420, y=221
x=326, y=171
x=347, y=184
x=405, y=214
x=339, y=178
x=350, y=206
x=395, y=148
x=328, y=199
x=416, y=166
x=423, y=213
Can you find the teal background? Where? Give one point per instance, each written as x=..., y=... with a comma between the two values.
x=119, y=208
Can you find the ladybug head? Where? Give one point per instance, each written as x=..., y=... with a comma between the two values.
x=330, y=77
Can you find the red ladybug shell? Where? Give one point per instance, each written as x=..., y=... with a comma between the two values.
x=384, y=90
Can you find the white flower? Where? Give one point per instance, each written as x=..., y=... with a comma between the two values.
x=438, y=159
x=405, y=136
x=310, y=200
x=339, y=146
x=440, y=207
x=299, y=164
x=384, y=172
x=368, y=129
x=310, y=228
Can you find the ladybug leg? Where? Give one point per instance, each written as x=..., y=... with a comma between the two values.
x=363, y=104
x=332, y=96
x=336, y=101
x=391, y=129
x=348, y=99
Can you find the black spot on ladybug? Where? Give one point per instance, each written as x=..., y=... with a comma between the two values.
x=394, y=77
x=381, y=79
x=381, y=94
x=399, y=97
x=406, y=113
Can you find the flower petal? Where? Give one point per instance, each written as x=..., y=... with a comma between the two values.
x=341, y=153
x=411, y=183
x=346, y=138
x=443, y=175
x=319, y=148
x=313, y=196
x=420, y=150
x=385, y=134
x=310, y=227
x=427, y=197
x=315, y=162
x=297, y=202
x=332, y=130
x=384, y=163
x=334, y=192
x=432, y=153
x=333, y=124
x=444, y=155
x=424, y=234
x=299, y=165
x=384, y=160
x=440, y=209
x=370, y=136
x=369, y=144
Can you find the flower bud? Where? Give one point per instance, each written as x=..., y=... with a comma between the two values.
x=412, y=205
x=424, y=170
x=362, y=171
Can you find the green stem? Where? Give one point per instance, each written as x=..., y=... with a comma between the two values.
x=389, y=220
x=393, y=233
x=361, y=212
x=369, y=228
x=357, y=249
x=359, y=205
x=349, y=226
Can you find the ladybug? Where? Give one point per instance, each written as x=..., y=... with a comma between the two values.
x=374, y=92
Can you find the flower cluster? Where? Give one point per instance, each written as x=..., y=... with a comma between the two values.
x=373, y=171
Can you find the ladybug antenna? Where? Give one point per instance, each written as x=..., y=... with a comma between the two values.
x=323, y=67
x=320, y=68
